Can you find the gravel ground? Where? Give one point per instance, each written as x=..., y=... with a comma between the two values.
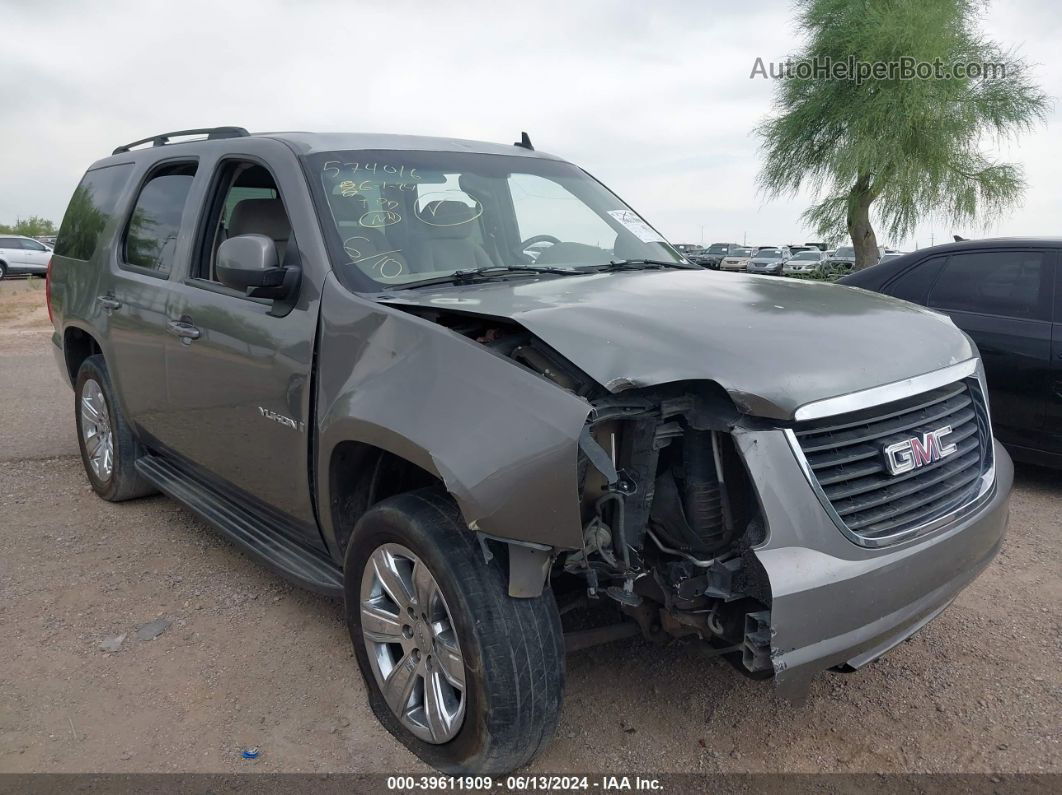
x=241, y=658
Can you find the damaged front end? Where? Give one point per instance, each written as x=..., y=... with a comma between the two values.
x=669, y=516
x=672, y=520
x=696, y=518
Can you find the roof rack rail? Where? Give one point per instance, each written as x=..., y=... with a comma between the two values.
x=211, y=133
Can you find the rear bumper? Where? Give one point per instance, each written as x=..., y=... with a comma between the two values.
x=60, y=357
x=835, y=603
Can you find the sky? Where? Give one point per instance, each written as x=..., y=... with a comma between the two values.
x=654, y=99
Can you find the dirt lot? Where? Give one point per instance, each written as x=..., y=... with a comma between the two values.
x=248, y=660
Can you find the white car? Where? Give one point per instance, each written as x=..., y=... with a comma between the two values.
x=20, y=254
x=736, y=260
x=805, y=262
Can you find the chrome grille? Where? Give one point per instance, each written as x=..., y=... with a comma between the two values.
x=845, y=456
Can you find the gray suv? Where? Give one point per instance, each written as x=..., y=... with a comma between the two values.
x=455, y=384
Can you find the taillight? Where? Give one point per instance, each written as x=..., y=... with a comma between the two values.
x=48, y=289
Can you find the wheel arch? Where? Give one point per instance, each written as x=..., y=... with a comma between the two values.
x=78, y=345
x=361, y=474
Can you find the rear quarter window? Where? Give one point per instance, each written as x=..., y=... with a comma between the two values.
x=91, y=208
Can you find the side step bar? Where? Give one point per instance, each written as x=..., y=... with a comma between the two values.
x=262, y=537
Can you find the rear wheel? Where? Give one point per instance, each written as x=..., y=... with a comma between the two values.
x=465, y=676
x=108, y=448
x=3, y=271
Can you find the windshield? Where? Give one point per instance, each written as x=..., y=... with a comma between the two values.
x=808, y=255
x=768, y=253
x=718, y=248
x=401, y=217
x=741, y=252
x=844, y=251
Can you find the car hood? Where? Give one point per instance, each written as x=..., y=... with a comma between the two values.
x=774, y=345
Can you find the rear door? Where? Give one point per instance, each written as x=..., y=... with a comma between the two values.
x=1003, y=300
x=239, y=376
x=134, y=298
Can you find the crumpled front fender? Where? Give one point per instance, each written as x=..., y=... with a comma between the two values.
x=503, y=440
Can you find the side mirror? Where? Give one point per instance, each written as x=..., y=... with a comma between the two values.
x=249, y=263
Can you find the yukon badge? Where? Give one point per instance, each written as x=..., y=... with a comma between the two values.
x=287, y=422
x=917, y=451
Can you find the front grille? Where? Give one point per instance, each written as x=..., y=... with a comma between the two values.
x=845, y=455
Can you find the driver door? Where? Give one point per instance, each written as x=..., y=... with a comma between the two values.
x=238, y=369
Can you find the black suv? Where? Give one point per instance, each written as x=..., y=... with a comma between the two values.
x=1007, y=295
x=452, y=382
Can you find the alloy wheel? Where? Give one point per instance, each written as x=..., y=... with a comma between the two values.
x=96, y=430
x=412, y=643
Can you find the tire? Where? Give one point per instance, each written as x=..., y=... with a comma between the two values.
x=512, y=649
x=121, y=481
x=3, y=271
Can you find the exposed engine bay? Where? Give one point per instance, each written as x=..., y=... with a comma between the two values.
x=669, y=514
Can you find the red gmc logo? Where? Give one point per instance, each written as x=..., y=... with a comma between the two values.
x=918, y=451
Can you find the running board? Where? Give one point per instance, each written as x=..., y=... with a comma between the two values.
x=264, y=538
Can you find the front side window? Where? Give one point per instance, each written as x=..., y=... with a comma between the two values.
x=91, y=207
x=33, y=245
x=245, y=201
x=399, y=217
x=1008, y=283
x=151, y=234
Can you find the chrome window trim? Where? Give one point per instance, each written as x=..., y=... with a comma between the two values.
x=887, y=393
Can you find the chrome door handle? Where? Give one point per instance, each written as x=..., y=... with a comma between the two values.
x=186, y=331
x=108, y=302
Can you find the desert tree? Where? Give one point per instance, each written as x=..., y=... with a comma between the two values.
x=898, y=145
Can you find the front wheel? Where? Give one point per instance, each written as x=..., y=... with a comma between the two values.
x=465, y=676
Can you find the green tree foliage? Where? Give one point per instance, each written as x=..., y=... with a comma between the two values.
x=34, y=226
x=902, y=147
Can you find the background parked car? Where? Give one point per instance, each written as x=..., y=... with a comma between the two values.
x=844, y=256
x=1007, y=296
x=714, y=254
x=807, y=261
x=769, y=260
x=20, y=254
x=736, y=260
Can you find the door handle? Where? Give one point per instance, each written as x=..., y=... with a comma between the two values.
x=185, y=331
x=109, y=303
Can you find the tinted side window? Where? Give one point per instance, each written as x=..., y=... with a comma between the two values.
x=91, y=207
x=151, y=235
x=914, y=283
x=32, y=245
x=994, y=282
x=9, y=242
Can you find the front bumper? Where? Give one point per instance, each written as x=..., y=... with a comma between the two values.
x=835, y=603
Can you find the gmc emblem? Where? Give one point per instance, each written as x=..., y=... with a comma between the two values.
x=917, y=452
